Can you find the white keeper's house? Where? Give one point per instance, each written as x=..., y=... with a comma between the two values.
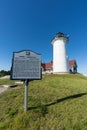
x=48, y=67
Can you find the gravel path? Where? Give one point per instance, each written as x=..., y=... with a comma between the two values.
x=2, y=90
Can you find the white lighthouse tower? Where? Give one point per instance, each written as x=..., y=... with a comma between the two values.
x=60, y=57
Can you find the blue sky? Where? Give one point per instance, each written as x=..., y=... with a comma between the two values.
x=32, y=24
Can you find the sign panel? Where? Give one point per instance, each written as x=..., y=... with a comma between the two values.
x=26, y=65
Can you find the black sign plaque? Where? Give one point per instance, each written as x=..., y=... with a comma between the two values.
x=26, y=65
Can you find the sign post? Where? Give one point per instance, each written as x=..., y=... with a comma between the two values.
x=26, y=66
x=26, y=96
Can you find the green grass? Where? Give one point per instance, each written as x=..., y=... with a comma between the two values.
x=57, y=102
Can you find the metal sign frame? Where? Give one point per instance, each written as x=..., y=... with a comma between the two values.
x=31, y=68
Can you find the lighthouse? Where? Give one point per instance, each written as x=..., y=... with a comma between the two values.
x=60, y=57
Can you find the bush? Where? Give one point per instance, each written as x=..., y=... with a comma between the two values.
x=3, y=73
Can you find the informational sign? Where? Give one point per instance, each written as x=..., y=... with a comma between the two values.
x=26, y=65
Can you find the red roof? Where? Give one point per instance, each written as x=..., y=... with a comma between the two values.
x=47, y=66
x=72, y=62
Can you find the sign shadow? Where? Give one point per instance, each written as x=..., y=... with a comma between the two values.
x=59, y=101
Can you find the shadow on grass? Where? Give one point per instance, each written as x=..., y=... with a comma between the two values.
x=59, y=101
x=67, y=98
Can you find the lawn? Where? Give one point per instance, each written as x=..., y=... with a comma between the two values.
x=57, y=102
